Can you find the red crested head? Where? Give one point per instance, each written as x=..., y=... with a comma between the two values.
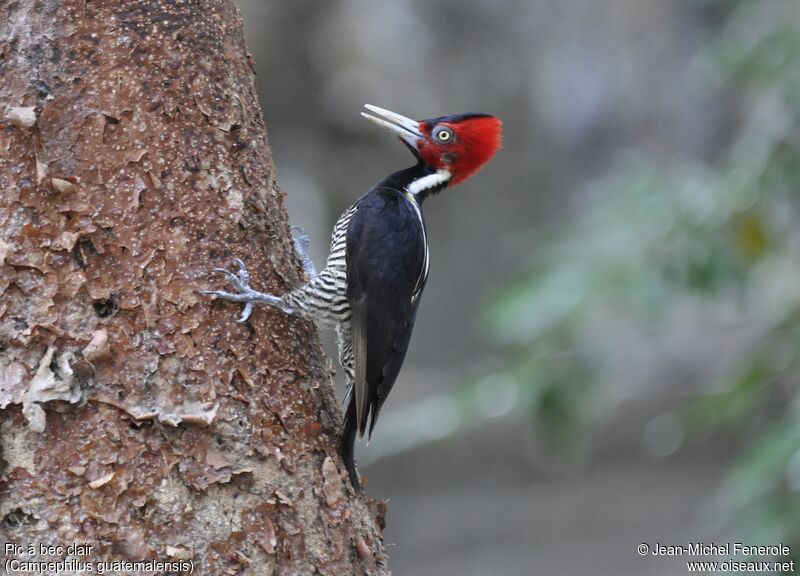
x=460, y=144
x=455, y=147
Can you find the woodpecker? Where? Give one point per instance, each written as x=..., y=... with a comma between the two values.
x=378, y=263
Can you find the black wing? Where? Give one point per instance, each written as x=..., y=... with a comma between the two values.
x=385, y=273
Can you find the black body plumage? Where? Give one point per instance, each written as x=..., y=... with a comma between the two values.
x=387, y=266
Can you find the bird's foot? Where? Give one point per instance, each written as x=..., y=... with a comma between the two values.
x=301, y=243
x=244, y=294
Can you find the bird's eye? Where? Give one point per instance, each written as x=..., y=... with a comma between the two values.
x=443, y=134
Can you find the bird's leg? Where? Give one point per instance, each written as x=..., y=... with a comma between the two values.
x=244, y=294
x=301, y=245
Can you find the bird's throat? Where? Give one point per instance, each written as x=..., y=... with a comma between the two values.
x=420, y=187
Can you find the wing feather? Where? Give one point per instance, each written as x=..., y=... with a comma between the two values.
x=361, y=388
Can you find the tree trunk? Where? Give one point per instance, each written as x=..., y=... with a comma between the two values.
x=137, y=416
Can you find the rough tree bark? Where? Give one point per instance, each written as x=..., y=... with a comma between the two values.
x=136, y=415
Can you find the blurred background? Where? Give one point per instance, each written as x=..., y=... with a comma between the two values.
x=607, y=350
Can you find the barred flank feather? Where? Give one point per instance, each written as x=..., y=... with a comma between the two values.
x=324, y=298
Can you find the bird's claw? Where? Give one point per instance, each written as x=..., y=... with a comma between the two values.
x=301, y=246
x=241, y=282
x=232, y=278
x=244, y=294
x=248, y=309
x=301, y=241
x=243, y=273
x=240, y=279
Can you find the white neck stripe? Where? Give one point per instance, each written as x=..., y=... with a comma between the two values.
x=430, y=181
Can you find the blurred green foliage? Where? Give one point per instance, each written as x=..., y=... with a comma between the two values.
x=719, y=239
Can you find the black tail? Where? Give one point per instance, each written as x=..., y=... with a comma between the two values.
x=347, y=441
